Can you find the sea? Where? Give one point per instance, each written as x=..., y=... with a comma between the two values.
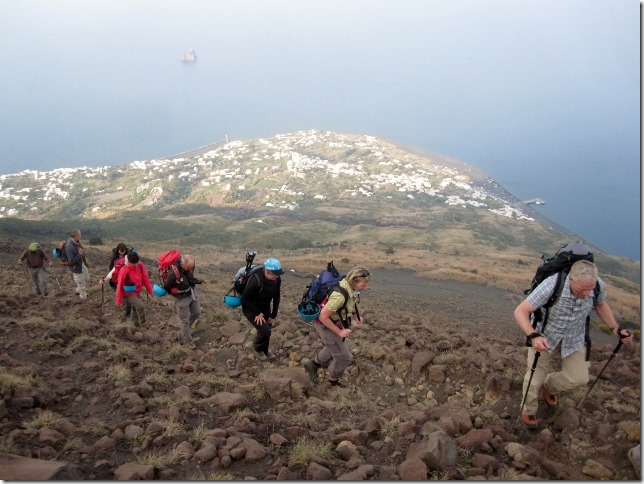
x=542, y=96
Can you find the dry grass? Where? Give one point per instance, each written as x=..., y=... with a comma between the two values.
x=171, y=428
x=199, y=433
x=304, y=450
x=161, y=401
x=73, y=445
x=119, y=374
x=449, y=358
x=84, y=339
x=339, y=427
x=388, y=427
x=199, y=475
x=138, y=440
x=8, y=448
x=46, y=419
x=9, y=381
x=97, y=429
x=161, y=458
x=157, y=378
x=309, y=421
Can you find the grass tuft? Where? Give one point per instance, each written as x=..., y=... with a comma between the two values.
x=304, y=450
x=46, y=419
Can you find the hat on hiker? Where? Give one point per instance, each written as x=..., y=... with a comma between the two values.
x=274, y=266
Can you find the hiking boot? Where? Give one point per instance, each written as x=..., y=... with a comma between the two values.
x=260, y=355
x=338, y=383
x=312, y=371
x=529, y=421
x=270, y=356
x=552, y=401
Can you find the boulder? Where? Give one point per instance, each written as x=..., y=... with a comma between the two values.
x=438, y=450
x=19, y=468
x=317, y=472
x=413, y=470
x=134, y=471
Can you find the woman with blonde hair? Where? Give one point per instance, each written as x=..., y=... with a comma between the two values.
x=334, y=325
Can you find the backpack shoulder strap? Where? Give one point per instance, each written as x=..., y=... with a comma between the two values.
x=345, y=295
x=556, y=292
x=259, y=280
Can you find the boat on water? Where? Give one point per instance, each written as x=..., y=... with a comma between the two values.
x=188, y=56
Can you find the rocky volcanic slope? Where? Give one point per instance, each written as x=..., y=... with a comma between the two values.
x=433, y=392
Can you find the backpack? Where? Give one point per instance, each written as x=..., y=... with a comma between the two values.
x=244, y=273
x=60, y=253
x=559, y=264
x=168, y=260
x=118, y=265
x=320, y=288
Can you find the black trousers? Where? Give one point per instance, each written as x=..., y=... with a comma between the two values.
x=263, y=337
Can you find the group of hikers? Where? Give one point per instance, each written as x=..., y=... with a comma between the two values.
x=565, y=333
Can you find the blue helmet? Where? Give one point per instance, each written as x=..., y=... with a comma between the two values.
x=274, y=266
x=232, y=300
x=309, y=311
x=158, y=291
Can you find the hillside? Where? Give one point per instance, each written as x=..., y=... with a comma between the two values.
x=433, y=391
x=304, y=191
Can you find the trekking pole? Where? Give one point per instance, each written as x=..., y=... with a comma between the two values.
x=534, y=366
x=619, y=345
x=55, y=278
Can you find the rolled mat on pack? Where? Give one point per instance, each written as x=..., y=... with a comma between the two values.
x=129, y=288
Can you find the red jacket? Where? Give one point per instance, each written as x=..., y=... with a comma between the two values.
x=136, y=275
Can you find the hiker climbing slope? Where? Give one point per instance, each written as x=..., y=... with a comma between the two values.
x=262, y=291
x=132, y=278
x=565, y=332
x=77, y=265
x=36, y=259
x=334, y=326
x=117, y=262
x=180, y=282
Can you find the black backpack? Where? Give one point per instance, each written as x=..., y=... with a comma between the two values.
x=559, y=264
x=244, y=273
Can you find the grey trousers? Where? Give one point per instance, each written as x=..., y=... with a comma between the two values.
x=138, y=309
x=189, y=310
x=335, y=351
x=39, y=278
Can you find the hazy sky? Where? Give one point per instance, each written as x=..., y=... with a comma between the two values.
x=544, y=96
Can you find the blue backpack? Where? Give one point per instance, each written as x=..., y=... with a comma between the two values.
x=325, y=282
